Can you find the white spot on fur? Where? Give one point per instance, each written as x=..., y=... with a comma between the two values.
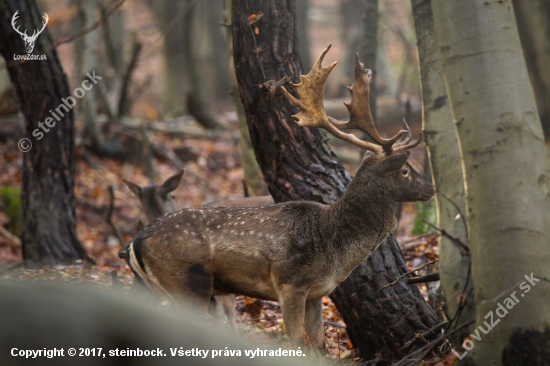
x=242, y=222
x=185, y=231
x=177, y=226
x=217, y=227
x=251, y=232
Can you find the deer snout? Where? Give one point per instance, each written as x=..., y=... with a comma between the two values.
x=427, y=193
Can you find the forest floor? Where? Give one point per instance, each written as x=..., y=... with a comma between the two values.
x=213, y=172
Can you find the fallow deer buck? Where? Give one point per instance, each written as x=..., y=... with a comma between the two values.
x=293, y=252
x=157, y=200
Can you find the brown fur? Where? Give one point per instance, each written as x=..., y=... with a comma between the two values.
x=294, y=252
x=157, y=200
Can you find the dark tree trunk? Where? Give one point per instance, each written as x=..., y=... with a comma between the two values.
x=369, y=48
x=49, y=234
x=298, y=165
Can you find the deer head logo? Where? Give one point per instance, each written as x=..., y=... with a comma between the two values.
x=29, y=40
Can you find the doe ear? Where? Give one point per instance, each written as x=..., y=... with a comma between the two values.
x=393, y=162
x=134, y=188
x=171, y=183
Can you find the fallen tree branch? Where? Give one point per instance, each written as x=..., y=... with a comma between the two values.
x=432, y=277
x=408, y=273
x=425, y=349
x=14, y=239
x=430, y=333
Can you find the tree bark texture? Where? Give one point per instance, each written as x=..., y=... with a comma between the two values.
x=446, y=167
x=298, y=165
x=506, y=168
x=253, y=178
x=533, y=18
x=49, y=234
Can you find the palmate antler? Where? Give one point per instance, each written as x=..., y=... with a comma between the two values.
x=312, y=112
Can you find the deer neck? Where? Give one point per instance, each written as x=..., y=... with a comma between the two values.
x=365, y=214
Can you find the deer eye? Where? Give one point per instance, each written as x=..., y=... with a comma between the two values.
x=405, y=172
x=173, y=196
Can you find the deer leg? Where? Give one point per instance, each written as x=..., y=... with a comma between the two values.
x=293, y=304
x=215, y=310
x=314, y=325
x=194, y=285
x=228, y=302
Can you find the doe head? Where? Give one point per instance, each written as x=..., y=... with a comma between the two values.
x=156, y=199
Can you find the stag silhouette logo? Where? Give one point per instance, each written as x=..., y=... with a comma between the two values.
x=29, y=40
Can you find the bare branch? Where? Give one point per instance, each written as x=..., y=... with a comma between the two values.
x=92, y=27
x=408, y=273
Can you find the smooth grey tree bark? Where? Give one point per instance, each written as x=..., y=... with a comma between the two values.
x=533, y=18
x=507, y=175
x=446, y=168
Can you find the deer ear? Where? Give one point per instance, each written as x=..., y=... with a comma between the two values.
x=171, y=183
x=393, y=162
x=134, y=188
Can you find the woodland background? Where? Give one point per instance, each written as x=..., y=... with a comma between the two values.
x=167, y=101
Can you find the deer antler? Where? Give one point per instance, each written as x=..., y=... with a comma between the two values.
x=13, y=19
x=311, y=89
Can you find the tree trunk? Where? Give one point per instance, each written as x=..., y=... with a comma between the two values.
x=168, y=14
x=298, y=165
x=196, y=104
x=369, y=48
x=89, y=62
x=533, y=18
x=253, y=178
x=302, y=22
x=446, y=168
x=49, y=234
x=507, y=173
x=213, y=15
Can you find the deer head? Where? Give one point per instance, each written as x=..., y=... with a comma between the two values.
x=29, y=40
x=155, y=199
x=292, y=252
x=385, y=159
